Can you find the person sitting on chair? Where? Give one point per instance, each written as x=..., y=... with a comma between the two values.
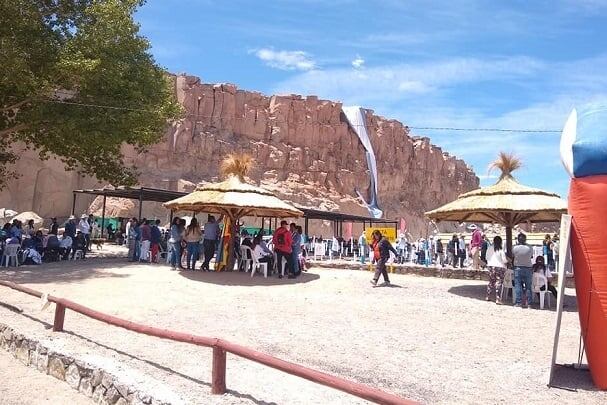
x=262, y=255
x=65, y=246
x=540, y=267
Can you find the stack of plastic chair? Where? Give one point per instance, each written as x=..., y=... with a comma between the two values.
x=10, y=255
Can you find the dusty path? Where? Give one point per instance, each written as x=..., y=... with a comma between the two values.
x=430, y=339
x=22, y=385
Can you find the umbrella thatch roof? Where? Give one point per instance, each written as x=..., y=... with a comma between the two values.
x=234, y=196
x=506, y=202
x=27, y=215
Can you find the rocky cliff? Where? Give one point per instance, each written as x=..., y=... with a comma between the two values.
x=304, y=148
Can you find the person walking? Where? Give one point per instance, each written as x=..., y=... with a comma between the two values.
x=174, y=243
x=496, y=265
x=381, y=253
x=209, y=244
x=283, y=247
x=523, y=254
x=192, y=237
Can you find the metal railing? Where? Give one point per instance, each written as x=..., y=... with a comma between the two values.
x=220, y=348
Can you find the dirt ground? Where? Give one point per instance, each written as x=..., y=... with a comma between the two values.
x=428, y=339
x=22, y=385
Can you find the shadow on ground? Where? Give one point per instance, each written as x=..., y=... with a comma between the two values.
x=244, y=279
x=572, y=379
x=63, y=271
x=152, y=363
x=479, y=291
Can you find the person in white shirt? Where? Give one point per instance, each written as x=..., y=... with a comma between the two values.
x=85, y=228
x=262, y=255
x=496, y=265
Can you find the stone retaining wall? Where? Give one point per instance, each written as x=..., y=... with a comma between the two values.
x=97, y=384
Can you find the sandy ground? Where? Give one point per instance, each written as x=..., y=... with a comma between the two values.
x=429, y=339
x=22, y=385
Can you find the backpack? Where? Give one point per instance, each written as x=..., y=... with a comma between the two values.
x=280, y=239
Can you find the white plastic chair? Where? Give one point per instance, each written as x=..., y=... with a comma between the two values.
x=539, y=281
x=507, y=284
x=246, y=258
x=283, y=264
x=259, y=266
x=319, y=250
x=10, y=254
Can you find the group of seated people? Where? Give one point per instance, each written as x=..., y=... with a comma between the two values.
x=37, y=246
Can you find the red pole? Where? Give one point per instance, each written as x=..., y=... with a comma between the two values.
x=218, y=375
x=59, y=318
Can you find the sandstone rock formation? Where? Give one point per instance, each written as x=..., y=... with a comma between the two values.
x=304, y=148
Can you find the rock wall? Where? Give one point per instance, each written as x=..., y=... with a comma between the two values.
x=304, y=149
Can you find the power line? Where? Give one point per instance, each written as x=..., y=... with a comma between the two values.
x=510, y=130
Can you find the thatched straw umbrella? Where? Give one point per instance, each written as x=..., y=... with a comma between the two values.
x=234, y=198
x=507, y=202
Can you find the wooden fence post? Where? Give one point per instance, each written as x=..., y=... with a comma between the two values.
x=59, y=317
x=218, y=376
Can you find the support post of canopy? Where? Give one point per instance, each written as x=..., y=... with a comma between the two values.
x=103, y=216
x=140, y=204
x=74, y=204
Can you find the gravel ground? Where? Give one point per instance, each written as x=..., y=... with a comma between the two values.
x=429, y=339
x=22, y=385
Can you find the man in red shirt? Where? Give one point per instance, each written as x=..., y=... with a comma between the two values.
x=282, y=240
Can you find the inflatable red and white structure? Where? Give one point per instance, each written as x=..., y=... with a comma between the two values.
x=584, y=155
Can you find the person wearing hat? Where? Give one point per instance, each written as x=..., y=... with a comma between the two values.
x=85, y=228
x=70, y=227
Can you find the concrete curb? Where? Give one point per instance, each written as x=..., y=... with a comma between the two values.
x=98, y=384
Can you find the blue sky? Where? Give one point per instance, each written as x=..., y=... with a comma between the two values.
x=457, y=63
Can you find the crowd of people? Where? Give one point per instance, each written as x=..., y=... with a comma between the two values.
x=36, y=246
x=195, y=242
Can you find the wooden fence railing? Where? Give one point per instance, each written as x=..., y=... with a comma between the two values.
x=220, y=348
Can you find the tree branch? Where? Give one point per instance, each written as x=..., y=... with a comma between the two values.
x=16, y=128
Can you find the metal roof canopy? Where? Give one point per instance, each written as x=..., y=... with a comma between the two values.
x=135, y=193
x=161, y=195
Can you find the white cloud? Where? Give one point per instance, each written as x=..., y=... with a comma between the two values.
x=358, y=62
x=393, y=82
x=286, y=60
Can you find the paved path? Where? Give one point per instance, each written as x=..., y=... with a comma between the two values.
x=22, y=385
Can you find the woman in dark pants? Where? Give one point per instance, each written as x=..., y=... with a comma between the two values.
x=381, y=253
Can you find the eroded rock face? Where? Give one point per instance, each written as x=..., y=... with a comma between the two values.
x=304, y=149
